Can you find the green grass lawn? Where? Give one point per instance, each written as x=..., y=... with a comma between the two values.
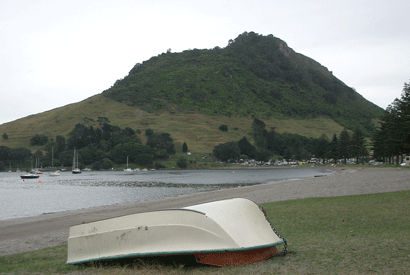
x=365, y=234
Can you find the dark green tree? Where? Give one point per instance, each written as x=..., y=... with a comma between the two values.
x=334, y=148
x=393, y=136
x=227, y=151
x=107, y=130
x=144, y=159
x=106, y=164
x=149, y=132
x=184, y=147
x=358, y=145
x=322, y=147
x=259, y=133
x=5, y=153
x=182, y=162
x=39, y=139
x=345, y=144
x=379, y=149
x=159, y=165
x=5, y=136
x=19, y=155
x=50, y=148
x=120, y=152
x=60, y=142
x=78, y=137
x=223, y=128
x=263, y=155
x=274, y=142
x=128, y=132
x=247, y=148
x=159, y=141
x=102, y=120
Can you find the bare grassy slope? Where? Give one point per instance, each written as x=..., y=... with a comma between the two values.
x=199, y=131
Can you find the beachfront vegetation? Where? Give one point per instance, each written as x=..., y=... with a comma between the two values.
x=293, y=147
x=105, y=145
x=363, y=234
x=393, y=137
x=97, y=147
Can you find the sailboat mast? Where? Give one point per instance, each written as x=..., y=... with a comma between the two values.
x=74, y=160
x=52, y=157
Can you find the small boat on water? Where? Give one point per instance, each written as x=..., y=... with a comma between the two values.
x=30, y=176
x=54, y=174
x=57, y=172
x=130, y=170
x=75, y=168
x=228, y=232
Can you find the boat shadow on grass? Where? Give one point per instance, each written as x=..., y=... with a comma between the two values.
x=171, y=261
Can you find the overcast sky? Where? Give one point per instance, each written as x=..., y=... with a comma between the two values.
x=53, y=53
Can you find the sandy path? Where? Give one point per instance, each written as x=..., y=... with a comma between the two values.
x=26, y=234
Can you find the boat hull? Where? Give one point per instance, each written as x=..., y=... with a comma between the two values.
x=32, y=176
x=54, y=174
x=236, y=258
x=76, y=171
x=229, y=232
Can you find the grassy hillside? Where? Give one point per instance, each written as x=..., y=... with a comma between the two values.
x=199, y=131
x=254, y=75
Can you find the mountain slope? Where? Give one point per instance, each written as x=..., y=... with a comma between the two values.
x=200, y=131
x=254, y=75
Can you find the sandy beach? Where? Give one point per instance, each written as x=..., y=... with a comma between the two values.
x=27, y=234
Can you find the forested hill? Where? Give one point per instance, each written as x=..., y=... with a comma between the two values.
x=254, y=75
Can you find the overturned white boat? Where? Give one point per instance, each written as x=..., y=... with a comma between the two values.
x=221, y=233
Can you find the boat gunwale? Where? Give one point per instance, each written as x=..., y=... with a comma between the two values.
x=187, y=208
x=188, y=252
x=160, y=210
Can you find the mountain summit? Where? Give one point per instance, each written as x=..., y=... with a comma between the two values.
x=254, y=75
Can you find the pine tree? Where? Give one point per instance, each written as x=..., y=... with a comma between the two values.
x=184, y=147
x=393, y=137
x=358, y=144
x=344, y=144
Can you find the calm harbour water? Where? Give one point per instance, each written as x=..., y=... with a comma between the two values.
x=47, y=194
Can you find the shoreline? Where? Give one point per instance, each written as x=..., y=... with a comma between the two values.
x=47, y=230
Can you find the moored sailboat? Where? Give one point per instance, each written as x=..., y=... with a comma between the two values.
x=30, y=175
x=75, y=168
x=57, y=172
x=128, y=169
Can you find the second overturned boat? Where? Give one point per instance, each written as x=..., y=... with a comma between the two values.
x=221, y=233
